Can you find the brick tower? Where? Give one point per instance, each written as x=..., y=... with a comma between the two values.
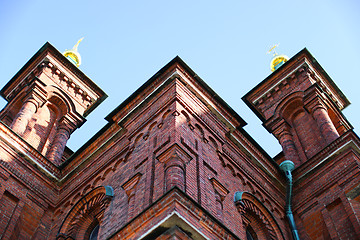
x=173, y=161
x=301, y=106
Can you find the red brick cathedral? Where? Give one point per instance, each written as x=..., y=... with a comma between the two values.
x=174, y=161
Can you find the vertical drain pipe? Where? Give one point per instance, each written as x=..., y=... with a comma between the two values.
x=287, y=166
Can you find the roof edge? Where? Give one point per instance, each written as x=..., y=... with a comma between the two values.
x=178, y=60
x=48, y=47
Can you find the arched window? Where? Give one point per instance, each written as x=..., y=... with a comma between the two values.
x=84, y=218
x=258, y=221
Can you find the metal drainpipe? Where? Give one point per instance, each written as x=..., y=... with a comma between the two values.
x=287, y=166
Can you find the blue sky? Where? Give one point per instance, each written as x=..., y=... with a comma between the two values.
x=224, y=42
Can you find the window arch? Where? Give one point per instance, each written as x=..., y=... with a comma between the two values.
x=86, y=215
x=258, y=221
x=250, y=233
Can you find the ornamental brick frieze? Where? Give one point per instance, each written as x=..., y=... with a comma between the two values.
x=301, y=79
x=248, y=179
x=282, y=88
x=63, y=81
x=210, y=126
x=147, y=126
x=30, y=78
x=66, y=83
x=237, y=166
x=95, y=176
x=188, y=120
x=237, y=170
x=204, y=116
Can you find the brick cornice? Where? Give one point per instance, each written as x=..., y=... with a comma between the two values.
x=29, y=153
x=189, y=215
x=65, y=75
x=304, y=67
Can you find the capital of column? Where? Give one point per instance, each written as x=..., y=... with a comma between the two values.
x=282, y=129
x=66, y=124
x=313, y=98
x=33, y=101
x=26, y=112
x=36, y=98
x=316, y=103
x=285, y=138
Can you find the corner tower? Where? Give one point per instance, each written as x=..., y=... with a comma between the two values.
x=47, y=100
x=301, y=106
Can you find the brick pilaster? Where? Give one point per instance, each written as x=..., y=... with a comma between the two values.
x=174, y=160
x=319, y=112
x=24, y=116
x=174, y=174
x=59, y=143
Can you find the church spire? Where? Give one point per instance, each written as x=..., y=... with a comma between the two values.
x=73, y=55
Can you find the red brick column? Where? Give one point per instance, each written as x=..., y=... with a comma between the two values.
x=58, y=145
x=23, y=117
x=284, y=136
x=174, y=174
x=320, y=114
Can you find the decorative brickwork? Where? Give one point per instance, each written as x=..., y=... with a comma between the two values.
x=175, y=154
x=257, y=216
x=84, y=213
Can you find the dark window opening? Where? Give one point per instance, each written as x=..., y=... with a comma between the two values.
x=94, y=233
x=250, y=234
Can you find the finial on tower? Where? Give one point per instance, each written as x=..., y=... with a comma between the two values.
x=277, y=60
x=73, y=55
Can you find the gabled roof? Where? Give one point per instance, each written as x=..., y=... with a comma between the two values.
x=179, y=61
x=151, y=88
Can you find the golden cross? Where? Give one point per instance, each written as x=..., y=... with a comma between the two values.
x=77, y=44
x=272, y=48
